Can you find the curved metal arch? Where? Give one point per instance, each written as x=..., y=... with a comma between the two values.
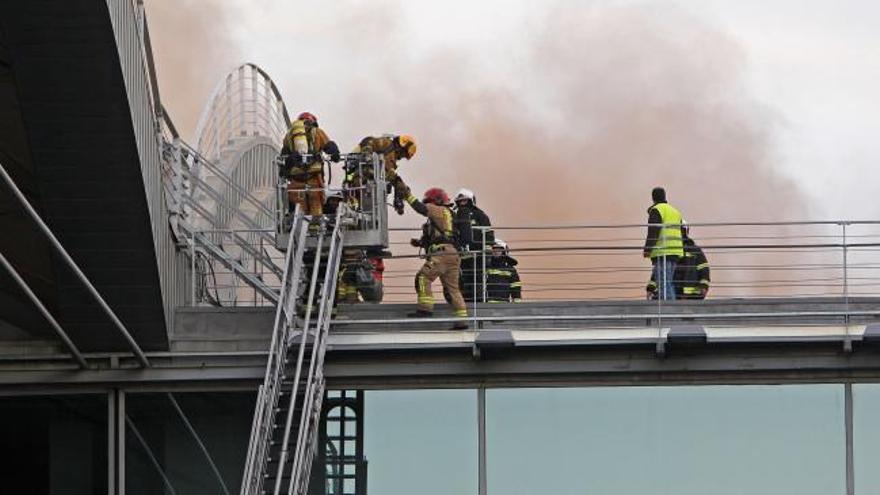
x=245, y=103
x=250, y=167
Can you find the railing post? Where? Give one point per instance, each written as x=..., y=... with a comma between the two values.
x=192, y=268
x=259, y=271
x=845, y=266
x=660, y=271
x=483, y=259
x=473, y=289
x=847, y=343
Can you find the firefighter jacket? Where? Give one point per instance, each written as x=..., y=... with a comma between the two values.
x=502, y=279
x=691, y=273
x=663, y=240
x=383, y=145
x=468, y=217
x=317, y=141
x=438, y=231
x=692, y=270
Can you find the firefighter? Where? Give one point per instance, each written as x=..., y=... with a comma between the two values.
x=346, y=285
x=392, y=148
x=304, y=166
x=442, y=257
x=663, y=243
x=502, y=279
x=692, y=275
x=468, y=220
x=360, y=274
x=375, y=291
x=693, y=269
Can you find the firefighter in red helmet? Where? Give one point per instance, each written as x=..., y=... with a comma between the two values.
x=303, y=166
x=438, y=241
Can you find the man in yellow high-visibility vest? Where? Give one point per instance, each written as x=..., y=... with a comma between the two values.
x=663, y=244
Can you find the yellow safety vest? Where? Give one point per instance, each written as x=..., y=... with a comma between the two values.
x=669, y=242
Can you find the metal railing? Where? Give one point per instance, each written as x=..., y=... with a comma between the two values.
x=235, y=247
x=364, y=190
x=233, y=268
x=602, y=264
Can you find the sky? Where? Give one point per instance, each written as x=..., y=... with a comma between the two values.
x=804, y=73
x=570, y=112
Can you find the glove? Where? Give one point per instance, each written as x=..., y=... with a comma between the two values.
x=333, y=150
x=403, y=190
x=415, y=243
x=398, y=205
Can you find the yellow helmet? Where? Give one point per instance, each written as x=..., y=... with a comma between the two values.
x=408, y=144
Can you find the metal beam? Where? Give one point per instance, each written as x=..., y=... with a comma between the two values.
x=482, y=466
x=150, y=455
x=848, y=424
x=77, y=355
x=455, y=368
x=198, y=440
x=119, y=421
x=111, y=441
x=135, y=348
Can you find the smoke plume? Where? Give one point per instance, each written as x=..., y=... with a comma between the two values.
x=193, y=49
x=594, y=106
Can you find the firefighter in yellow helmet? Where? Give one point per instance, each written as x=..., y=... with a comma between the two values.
x=304, y=166
x=442, y=257
x=391, y=148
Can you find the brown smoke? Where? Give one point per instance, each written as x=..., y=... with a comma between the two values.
x=607, y=102
x=611, y=102
x=193, y=49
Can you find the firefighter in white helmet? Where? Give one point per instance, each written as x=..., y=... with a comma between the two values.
x=474, y=240
x=502, y=279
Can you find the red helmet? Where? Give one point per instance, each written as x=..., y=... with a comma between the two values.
x=437, y=196
x=308, y=117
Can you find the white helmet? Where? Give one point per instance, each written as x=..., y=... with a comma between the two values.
x=465, y=194
x=500, y=244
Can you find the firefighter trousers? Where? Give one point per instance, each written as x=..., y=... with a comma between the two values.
x=308, y=194
x=443, y=263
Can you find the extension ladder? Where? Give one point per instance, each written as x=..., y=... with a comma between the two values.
x=284, y=433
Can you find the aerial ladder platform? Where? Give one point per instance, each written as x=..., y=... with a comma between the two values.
x=285, y=429
x=284, y=432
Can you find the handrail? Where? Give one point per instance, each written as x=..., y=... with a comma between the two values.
x=77, y=355
x=132, y=344
x=643, y=225
x=219, y=172
x=612, y=316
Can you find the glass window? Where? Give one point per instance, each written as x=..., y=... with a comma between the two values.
x=222, y=421
x=667, y=440
x=421, y=442
x=866, y=438
x=54, y=444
